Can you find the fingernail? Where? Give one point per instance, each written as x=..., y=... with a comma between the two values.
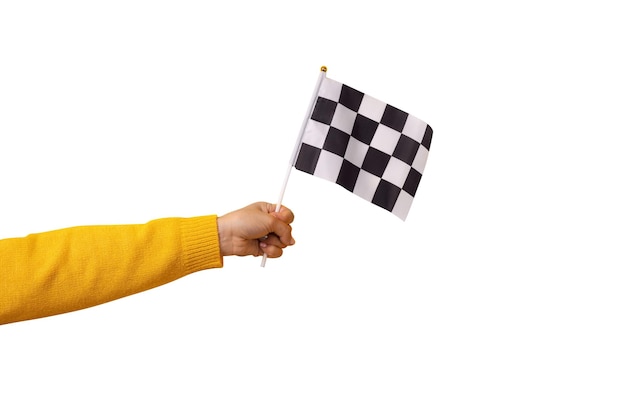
x=293, y=241
x=263, y=245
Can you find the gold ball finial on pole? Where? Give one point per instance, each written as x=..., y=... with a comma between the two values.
x=323, y=69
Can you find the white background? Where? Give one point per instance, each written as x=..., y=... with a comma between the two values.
x=502, y=294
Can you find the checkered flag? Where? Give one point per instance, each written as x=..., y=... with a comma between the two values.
x=370, y=148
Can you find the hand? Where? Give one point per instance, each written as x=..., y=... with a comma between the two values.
x=255, y=230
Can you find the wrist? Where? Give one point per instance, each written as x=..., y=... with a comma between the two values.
x=224, y=237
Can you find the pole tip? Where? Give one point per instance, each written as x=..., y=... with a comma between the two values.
x=323, y=69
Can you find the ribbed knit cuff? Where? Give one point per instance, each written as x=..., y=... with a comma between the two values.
x=200, y=243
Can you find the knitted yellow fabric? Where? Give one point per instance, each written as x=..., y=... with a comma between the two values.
x=70, y=269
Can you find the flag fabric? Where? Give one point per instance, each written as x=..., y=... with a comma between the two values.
x=370, y=148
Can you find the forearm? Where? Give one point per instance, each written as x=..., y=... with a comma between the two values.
x=70, y=269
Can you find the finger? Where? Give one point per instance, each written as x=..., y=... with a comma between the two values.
x=266, y=207
x=283, y=231
x=273, y=240
x=285, y=214
x=270, y=250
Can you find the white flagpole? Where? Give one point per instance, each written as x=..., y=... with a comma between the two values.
x=296, y=148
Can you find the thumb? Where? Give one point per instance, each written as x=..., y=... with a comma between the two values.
x=284, y=214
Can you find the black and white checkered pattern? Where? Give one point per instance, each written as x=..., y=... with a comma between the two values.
x=370, y=148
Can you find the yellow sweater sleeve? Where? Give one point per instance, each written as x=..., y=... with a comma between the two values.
x=70, y=269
